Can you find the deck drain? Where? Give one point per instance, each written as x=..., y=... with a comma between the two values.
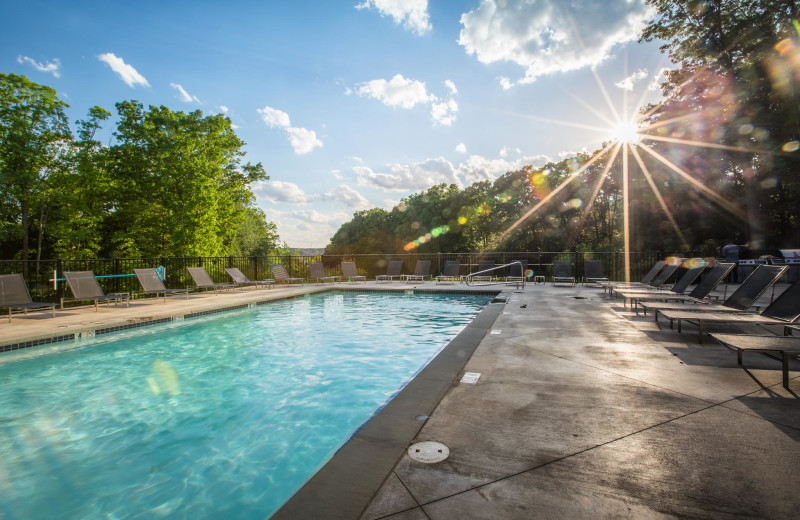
x=428, y=452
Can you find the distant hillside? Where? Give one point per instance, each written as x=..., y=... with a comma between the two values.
x=308, y=251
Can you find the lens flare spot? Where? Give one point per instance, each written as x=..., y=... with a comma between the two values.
x=746, y=129
x=573, y=163
x=462, y=220
x=575, y=203
x=164, y=380
x=695, y=262
x=528, y=273
x=791, y=146
x=415, y=225
x=784, y=47
x=768, y=183
x=401, y=207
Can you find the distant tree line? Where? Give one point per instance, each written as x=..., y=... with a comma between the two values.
x=730, y=120
x=168, y=184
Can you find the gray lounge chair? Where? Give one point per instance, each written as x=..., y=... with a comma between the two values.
x=350, y=272
x=84, y=286
x=484, y=266
x=151, y=283
x=593, y=272
x=646, y=279
x=761, y=279
x=14, y=296
x=316, y=271
x=698, y=295
x=517, y=271
x=421, y=271
x=203, y=281
x=392, y=271
x=783, y=311
x=680, y=286
x=672, y=266
x=281, y=276
x=450, y=273
x=786, y=346
x=562, y=272
x=239, y=278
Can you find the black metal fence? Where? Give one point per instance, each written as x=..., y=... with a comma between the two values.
x=116, y=274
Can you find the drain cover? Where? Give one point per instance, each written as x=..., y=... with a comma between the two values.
x=428, y=452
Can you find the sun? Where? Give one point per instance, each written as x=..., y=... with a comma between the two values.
x=626, y=132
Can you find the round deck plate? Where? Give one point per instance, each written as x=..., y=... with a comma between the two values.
x=428, y=452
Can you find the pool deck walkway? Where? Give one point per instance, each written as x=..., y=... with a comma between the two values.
x=582, y=410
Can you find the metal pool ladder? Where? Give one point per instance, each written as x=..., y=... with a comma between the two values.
x=518, y=283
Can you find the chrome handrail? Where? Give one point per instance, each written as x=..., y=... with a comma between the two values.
x=480, y=273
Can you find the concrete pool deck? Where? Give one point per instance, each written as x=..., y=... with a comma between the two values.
x=582, y=410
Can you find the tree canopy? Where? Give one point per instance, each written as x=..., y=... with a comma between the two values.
x=169, y=183
x=721, y=154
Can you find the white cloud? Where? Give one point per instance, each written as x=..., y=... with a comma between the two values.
x=278, y=191
x=348, y=196
x=311, y=215
x=444, y=113
x=273, y=117
x=337, y=174
x=478, y=168
x=451, y=87
x=53, y=67
x=127, y=73
x=630, y=81
x=505, y=82
x=302, y=140
x=417, y=176
x=413, y=14
x=183, y=95
x=504, y=151
x=223, y=109
x=397, y=92
x=658, y=79
x=461, y=148
x=550, y=36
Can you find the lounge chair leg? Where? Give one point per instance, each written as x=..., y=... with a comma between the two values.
x=785, y=357
x=96, y=308
x=739, y=355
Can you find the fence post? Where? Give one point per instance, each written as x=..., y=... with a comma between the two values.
x=116, y=275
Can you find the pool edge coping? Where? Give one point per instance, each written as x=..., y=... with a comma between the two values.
x=117, y=326
x=346, y=485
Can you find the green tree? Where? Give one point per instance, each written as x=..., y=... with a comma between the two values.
x=181, y=183
x=738, y=86
x=34, y=139
x=256, y=236
x=83, y=193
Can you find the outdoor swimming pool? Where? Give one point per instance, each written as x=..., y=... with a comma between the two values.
x=224, y=416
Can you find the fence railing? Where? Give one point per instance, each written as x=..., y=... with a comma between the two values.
x=39, y=274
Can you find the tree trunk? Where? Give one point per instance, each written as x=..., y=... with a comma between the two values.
x=25, y=225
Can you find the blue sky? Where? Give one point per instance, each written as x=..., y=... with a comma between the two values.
x=353, y=104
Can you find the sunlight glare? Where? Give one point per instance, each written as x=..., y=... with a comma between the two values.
x=627, y=132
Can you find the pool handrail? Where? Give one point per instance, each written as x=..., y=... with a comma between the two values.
x=521, y=282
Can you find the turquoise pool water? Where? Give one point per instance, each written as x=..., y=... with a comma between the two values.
x=224, y=416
